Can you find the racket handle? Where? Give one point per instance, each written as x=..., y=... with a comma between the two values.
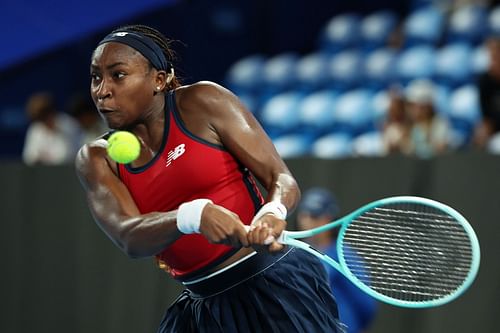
x=270, y=239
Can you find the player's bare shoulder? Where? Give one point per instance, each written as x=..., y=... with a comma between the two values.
x=206, y=96
x=91, y=150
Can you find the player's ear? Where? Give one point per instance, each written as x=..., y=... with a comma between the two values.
x=160, y=81
x=163, y=80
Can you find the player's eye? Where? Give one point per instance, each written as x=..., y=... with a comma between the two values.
x=118, y=75
x=95, y=77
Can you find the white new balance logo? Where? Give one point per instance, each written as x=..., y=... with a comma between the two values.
x=176, y=153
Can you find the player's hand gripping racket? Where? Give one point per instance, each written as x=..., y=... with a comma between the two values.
x=406, y=251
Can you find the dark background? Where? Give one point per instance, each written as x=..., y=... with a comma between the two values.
x=61, y=274
x=48, y=47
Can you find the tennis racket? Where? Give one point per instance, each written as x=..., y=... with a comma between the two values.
x=406, y=251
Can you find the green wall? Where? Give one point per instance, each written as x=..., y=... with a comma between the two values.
x=61, y=274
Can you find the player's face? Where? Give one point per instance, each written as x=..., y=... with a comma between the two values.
x=122, y=84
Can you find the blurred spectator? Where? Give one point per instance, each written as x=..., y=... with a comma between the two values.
x=83, y=110
x=489, y=96
x=318, y=207
x=52, y=136
x=396, y=127
x=430, y=133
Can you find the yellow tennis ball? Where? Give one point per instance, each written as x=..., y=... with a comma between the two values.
x=123, y=147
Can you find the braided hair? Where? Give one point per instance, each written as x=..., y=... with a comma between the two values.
x=163, y=42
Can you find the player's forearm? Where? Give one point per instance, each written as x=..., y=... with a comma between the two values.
x=148, y=234
x=284, y=189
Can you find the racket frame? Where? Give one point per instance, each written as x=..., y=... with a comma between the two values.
x=291, y=238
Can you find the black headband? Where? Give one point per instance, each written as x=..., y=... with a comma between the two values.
x=145, y=45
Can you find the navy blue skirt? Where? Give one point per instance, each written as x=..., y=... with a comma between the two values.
x=286, y=293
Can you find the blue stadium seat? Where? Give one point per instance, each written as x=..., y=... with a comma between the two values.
x=376, y=28
x=369, y=144
x=480, y=60
x=340, y=32
x=312, y=72
x=316, y=113
x=379, y=68
x=442, y=99
x=453, y=65
x=279, y=73
x=334, y=145
x=464, y=110
x=354, y=112
x=292, y=145
x=415, y=63
x=380, y=106
x=345, y=70
x=424, y=26
x=280, y=114
x=468, y=24
x=244, y=75
x=493, y=23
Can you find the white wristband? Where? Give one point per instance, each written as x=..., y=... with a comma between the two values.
x=189, y=216
x=273, y=207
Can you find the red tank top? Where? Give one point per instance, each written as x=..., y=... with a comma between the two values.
x=187, y=168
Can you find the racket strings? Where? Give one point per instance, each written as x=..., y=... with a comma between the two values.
x=398, y=266
x=409, y=252
x=414, y=248
x=394, y=276
x=371, y=233
x=452, y=229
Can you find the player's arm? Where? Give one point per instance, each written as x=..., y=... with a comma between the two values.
x=237, y=130
x=114, y=210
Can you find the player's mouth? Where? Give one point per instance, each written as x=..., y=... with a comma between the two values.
x=104, y=111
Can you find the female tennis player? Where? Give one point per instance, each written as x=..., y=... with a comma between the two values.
x=187, y=198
